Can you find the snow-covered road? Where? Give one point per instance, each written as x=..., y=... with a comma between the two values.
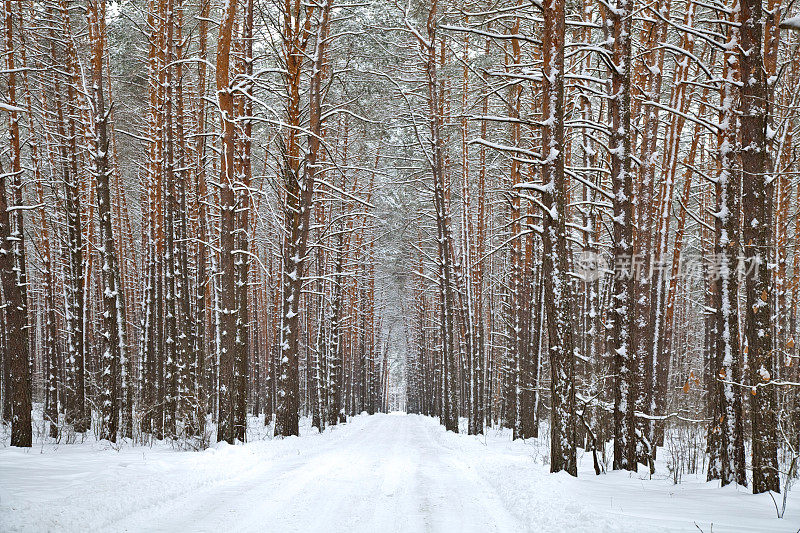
x=391, y=474
x=383, y=473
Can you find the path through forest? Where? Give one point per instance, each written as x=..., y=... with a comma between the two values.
x=391, y=474
x=382, y=473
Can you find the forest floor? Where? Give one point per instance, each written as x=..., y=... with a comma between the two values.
x=382, y=473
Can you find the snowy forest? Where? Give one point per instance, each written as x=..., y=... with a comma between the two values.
x=439, y=249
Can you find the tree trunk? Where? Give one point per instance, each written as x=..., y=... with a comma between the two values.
x=227, y=304
x=622, y=190
x=757, y=237
x=12, y=261
x=555, y=251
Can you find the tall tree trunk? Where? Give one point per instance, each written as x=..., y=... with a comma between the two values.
x=227, y=304
x=112, y=337
x=12, y=259
x=201, y=193
x=75, y=386
x=757, y=237
x=242, y=261
x=622, y=190
x=299, y=186
x=450, y=403
x=555, y=251
x=49, y=342
x=725, y=347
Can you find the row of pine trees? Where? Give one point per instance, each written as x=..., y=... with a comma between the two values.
x=585, y=212
x=611, y=148
x=161, y=274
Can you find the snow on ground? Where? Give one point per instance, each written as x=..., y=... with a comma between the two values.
x=382, y=473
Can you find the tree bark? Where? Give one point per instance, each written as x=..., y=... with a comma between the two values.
x=555, y=251
x=757, y=194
